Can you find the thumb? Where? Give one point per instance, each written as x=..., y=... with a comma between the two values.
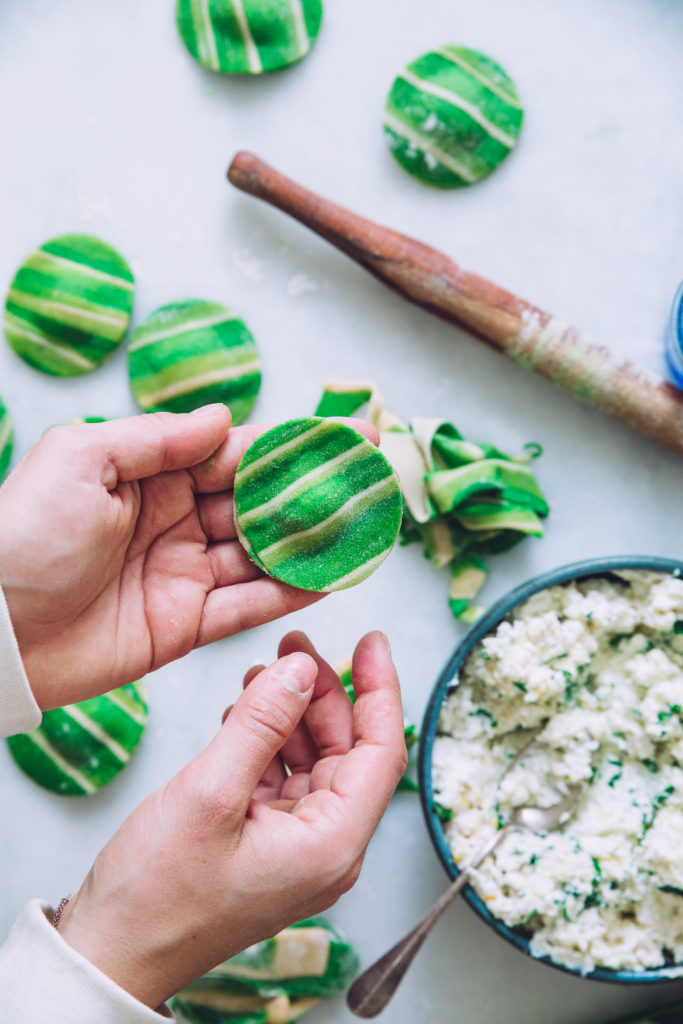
x=141, y=446
x=259, y=724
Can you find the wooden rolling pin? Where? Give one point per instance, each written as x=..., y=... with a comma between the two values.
x=533, y=339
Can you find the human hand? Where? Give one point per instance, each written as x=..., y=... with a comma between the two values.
x=234, y=849
x=118, y=550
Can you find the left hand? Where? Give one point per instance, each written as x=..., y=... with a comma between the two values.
x=265, y=827
x=118, y=550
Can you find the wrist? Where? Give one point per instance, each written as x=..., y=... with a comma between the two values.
x=118, y=948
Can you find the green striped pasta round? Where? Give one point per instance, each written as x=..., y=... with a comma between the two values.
x=248, y=36
x=452, y=116
x=69, y=305
x=78, y=749
x=316, y=504
x=193, y=353
x=6, y=439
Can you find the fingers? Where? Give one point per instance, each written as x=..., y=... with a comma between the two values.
x=329, y=717
x=233, y=609
x=299, y=753
x=141, y=446
x=217, y=516
x=231, y=564
x=218, y=473
x=250, y=674
x=261, y=721
x=367, y=776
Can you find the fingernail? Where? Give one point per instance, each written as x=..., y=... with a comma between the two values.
x=295, y=674
x=209, y=410
x=385, y=641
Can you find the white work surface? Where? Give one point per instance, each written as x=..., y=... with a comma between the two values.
x=109, y=127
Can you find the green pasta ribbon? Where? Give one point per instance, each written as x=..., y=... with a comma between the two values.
x=463, y=501
x=275, y=981
x=408, y=781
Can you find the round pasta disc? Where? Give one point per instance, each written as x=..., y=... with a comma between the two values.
x=69, y=305
x=452, y=116
x=248, y=36
x=188, y=354
x=316, y=504
x=78, y=749
x=6, y=439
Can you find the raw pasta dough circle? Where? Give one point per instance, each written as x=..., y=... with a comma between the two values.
x=69, y=305
x=248, y=36
x=78, y=749
x=452, y=116
x=316, y=504
x=193, y=353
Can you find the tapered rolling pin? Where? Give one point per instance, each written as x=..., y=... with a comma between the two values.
x=526, y=334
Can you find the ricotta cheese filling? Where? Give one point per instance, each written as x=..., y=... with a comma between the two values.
x=589, y=678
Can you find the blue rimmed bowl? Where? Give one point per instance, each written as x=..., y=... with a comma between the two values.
x=595, y=567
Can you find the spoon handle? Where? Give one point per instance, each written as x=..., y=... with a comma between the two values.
x=373, y=989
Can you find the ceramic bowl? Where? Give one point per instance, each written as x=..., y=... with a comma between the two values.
x=488, y=622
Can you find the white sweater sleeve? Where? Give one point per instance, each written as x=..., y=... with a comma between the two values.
x=44, y=981
x=18, y=709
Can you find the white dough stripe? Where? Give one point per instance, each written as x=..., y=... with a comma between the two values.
x=5, y=430
x=475, y=73
x=296, y=442
x=134, y=715
x=364, y=570
x=387, y=484
x=253, y=58
x=186, y=328
x=457, y=101
x=43, y=744
x=40, y=255
x=302, y=39
x=303, y=483
x=47, y=307
x=425, y=145
x=17, y=327
x=206, y=32
x=194, y=383
x=98, y=733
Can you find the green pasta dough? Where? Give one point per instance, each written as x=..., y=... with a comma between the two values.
x=452, y=116
x=6, y=439
x=461, y=500
x=69, y=305
x=316, y=504
x=248, y=36
x=275, y=981
x=193, y=353
x=78, y=749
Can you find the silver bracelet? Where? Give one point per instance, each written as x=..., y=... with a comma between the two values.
x=56, y=917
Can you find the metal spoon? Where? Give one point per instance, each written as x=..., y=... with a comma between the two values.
x=373, y=989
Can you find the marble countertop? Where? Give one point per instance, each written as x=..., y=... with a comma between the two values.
x=108, y=127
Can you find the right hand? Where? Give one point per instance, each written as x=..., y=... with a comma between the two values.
x=235, y=848
x=119, y=553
